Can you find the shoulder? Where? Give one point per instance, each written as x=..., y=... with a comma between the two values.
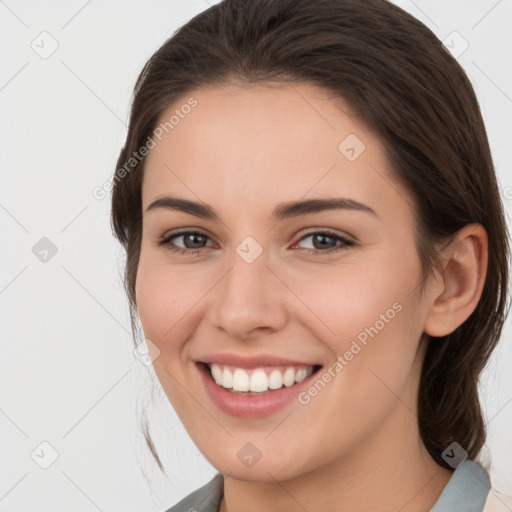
x=205, y=499
x=467, y=490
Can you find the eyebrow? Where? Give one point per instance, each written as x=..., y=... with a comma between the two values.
x=280, y=212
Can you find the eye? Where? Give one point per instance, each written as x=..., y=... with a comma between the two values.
x=326, y=242
x=193, y=240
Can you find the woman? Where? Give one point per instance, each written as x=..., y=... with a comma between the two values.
x=317, y=252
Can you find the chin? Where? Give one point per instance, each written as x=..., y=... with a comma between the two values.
x=267, y=469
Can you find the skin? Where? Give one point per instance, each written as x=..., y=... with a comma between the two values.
x=242, y=150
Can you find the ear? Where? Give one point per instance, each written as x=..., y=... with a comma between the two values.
x=455, y=296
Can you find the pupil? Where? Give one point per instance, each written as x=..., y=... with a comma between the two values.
x=193, y=237
x=323, y=237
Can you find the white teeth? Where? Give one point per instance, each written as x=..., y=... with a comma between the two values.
x=257, y=381
x=240, y=380
x=289, y=377
x=227, y=378
x=301, y=374
x=217, y=374
x=275, y=380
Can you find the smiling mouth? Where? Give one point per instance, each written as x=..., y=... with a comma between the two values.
x=258, y=381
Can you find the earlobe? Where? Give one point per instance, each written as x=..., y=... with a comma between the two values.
x=461, y=283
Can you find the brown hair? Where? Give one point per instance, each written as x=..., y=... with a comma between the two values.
x=400, y=81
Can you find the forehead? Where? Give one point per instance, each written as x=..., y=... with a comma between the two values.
x=266, y=143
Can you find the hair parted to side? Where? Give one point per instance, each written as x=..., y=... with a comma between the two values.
x=400, y=81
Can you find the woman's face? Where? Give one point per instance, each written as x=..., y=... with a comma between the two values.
x=278, y=282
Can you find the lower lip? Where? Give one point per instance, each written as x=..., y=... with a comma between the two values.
x=250, y=406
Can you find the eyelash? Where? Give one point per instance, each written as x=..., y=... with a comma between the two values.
x=166, y=242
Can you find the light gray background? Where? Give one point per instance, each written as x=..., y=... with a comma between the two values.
x=68, y=374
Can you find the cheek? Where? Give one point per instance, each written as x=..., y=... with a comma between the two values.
x=155, y=302
x=172, y=300
x=165, y=300
x=368, y=316
x=374, y=346
x=353, y=298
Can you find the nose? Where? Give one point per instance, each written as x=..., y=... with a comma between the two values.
x=250, y=300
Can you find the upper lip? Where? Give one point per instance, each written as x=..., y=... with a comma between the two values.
x=253, y=361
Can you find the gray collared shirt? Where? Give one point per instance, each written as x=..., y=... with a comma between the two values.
x=466, y=491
